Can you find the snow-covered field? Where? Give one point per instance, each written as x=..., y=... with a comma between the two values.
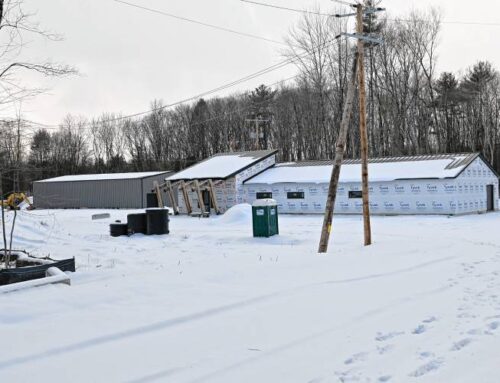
x=209, y=303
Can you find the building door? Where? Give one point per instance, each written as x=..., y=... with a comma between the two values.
x=490, y=195
x=206, y=200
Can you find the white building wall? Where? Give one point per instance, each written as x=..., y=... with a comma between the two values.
x=229, y=192
x=462, y=195
x=225, y=194
x=248, y=173
x=396, y=197
x=471, y=188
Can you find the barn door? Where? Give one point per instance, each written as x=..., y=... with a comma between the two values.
x=490, y=194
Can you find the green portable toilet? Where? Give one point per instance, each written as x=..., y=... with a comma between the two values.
x=265, y=218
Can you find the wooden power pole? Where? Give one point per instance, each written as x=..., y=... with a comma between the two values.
x=359, y=73
x=339, y=157
x=363, y=134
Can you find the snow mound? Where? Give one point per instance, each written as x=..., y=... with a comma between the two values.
x=238, y=214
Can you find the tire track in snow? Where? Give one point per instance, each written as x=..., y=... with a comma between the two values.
x=169, y=323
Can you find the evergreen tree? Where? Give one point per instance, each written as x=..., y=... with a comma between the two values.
x=261, y=101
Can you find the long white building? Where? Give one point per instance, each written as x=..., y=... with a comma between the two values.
x=430, y=184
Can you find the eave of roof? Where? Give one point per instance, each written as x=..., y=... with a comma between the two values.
x=462, y=160
x=265, y=155
x=152, y=174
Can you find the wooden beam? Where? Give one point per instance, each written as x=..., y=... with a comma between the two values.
x=204, y=184
x=171, y=194
x=339, y=157
x=362, y=128
x=200, y=197
x=185, y=194
x=213, y=197
x=157, y=190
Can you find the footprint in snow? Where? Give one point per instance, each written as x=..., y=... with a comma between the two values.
x=420, y=329
x=345, y=377
x=316, y=380
x=359, y=357
x=475, y=331
x=433, y=365
x=384, y=378
x=385, y=349
x=381, y=337
x=493, y=326
x=461, y=344
x=430, y=320
x=425, y=355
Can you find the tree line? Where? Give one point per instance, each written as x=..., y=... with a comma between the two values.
x=412, y=109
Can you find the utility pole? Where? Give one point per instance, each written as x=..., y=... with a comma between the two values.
x=257, y=131
x=339, y=157
x=363, y=133
x=357, y=72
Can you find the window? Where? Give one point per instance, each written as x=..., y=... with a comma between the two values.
x=295, y=195
x=356, y=194
x=264, y=195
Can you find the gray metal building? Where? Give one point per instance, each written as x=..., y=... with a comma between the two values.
x=97, y=191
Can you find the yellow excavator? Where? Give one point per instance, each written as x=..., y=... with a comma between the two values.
x=15, y=199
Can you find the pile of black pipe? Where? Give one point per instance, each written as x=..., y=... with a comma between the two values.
x=152, y=222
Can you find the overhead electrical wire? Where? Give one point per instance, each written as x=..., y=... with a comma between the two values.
x=388, y=19
x=285, y=8
x=204, y=94
x=213, y=26
x=249, y=77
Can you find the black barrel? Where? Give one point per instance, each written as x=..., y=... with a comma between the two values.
x=157, y=221
x=136, y=223
x=118, y=229
x=151, y=200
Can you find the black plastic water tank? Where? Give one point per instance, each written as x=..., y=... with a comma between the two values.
x=137, y=223
x=118, y=229
x=157, y=221
x=151, y=200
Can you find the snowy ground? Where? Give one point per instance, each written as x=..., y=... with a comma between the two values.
x=208, y=303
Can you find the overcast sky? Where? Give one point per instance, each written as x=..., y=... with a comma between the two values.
x=128, y=57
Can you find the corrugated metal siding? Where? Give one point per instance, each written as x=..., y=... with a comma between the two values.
x=148, y=186
x=88, y=194
x=102, y=194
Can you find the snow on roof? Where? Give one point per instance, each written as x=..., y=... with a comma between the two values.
x=222, y=165
x=101, y=177
x=380, y=169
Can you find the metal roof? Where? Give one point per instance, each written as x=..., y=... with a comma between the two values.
x=104, y=176
x=222, y=165
x=435, y=166
x=459, y=160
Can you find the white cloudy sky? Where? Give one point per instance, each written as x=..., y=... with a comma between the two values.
x=127, y=57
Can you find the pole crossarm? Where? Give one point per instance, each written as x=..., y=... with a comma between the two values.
x=363, y=37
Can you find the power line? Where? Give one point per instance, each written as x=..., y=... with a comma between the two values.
x=452, y=22
x=479, y=23
x=285, y=8
x=224, y=29
x=213, y=118
x=249, y=77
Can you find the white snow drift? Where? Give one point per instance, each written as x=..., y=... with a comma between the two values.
x=209, y=303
